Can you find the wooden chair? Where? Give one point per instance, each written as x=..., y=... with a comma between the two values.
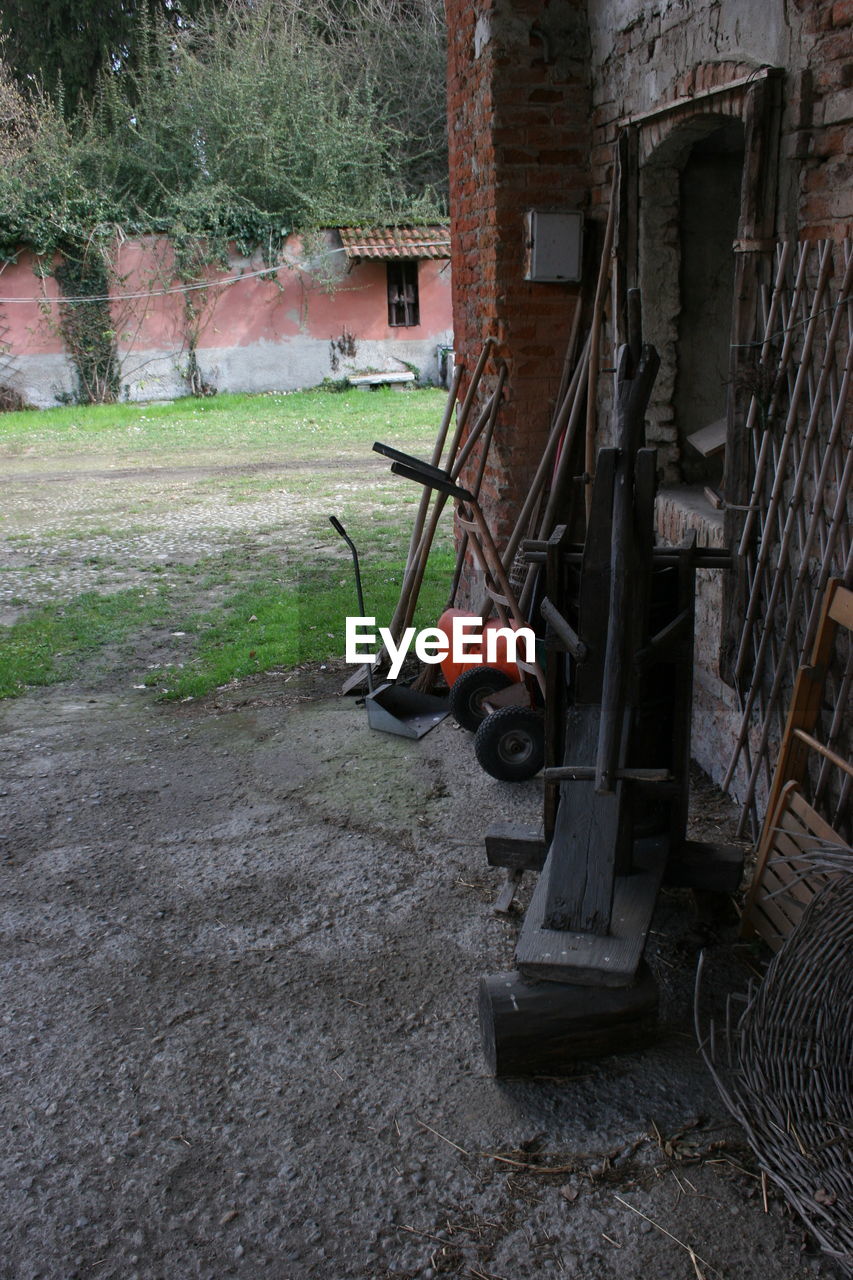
x=787, y=874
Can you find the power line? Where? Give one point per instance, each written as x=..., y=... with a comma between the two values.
x=205, y=284
x=182, y=288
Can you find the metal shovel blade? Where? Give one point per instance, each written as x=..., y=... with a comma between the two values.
x=395, y=709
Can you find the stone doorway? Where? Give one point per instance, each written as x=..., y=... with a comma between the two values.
x=690, y=210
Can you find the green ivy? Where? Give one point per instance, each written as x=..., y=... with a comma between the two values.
x=87, y=326
x=258, y=119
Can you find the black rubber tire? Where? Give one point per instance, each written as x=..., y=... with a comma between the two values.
x=468, y=692
x=510, y=743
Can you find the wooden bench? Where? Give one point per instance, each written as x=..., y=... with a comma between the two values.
x=391, y=378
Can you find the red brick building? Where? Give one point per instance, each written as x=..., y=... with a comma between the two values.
x=716, y=130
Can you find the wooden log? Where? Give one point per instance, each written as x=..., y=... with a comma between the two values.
x=543, y=1028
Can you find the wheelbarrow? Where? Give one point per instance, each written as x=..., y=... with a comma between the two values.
x=501, y=704
x=393, y=708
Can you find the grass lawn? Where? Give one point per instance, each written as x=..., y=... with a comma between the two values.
x=238, y=490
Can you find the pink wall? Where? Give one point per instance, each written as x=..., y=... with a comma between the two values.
x=313, y=300
x=31, y=329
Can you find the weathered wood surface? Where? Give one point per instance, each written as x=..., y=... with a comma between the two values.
x=630, y=561
x=590, y=834
x=515, y=846
x=606, y=960
x=536, y=1028
x=785, y=879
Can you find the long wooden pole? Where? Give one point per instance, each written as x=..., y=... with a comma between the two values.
x=549, y=517
x=595, y=344
x=438, y=449
x=477, y=485
x=441, y=499
x=413, y=575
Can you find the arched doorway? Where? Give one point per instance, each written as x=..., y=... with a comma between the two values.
x=690, y=210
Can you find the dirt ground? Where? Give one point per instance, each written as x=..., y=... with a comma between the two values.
x=241, y=944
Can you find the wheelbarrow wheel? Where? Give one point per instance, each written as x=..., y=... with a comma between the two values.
x=510, y=743
x=470, y=690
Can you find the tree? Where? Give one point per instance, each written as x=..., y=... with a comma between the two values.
x=63, y=46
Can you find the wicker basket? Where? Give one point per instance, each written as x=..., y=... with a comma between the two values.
x=784, y=1068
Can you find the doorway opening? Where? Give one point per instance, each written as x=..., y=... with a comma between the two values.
x=690, y=210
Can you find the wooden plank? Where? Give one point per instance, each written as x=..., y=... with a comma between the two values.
x=588, y=835
x=710, y=440
x=811, y=819
x=841, y=607
x=503, y=902
x=630, y=564
x=791, y=845
x=781, y=917
x=536, y=1028
x=515, y=846
x=609, y=960
x=789, y=832
x=782, y=876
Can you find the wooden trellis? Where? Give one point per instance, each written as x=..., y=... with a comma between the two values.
x=796, y=529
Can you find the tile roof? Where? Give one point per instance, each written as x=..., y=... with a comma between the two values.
x=396, y=242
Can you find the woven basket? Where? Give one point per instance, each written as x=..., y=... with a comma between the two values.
x=784, y=1069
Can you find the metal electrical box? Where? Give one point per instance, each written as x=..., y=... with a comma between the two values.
x=553, y=246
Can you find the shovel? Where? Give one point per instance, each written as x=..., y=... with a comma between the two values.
x=393, y=708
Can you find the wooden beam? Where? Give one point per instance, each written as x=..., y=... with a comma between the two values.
x=515, y=846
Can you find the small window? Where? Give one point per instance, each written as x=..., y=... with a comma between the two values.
x=403, y=293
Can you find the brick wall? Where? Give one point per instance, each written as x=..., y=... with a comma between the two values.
x=519, y=139
x=538, y=90
x=822, y=138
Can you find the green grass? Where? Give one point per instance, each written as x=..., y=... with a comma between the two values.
x=309, y=424
x=241, y=611
x=48, y=644
x=261, y=625
x=268, y=626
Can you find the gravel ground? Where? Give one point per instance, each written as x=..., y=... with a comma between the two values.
x=239, y=957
